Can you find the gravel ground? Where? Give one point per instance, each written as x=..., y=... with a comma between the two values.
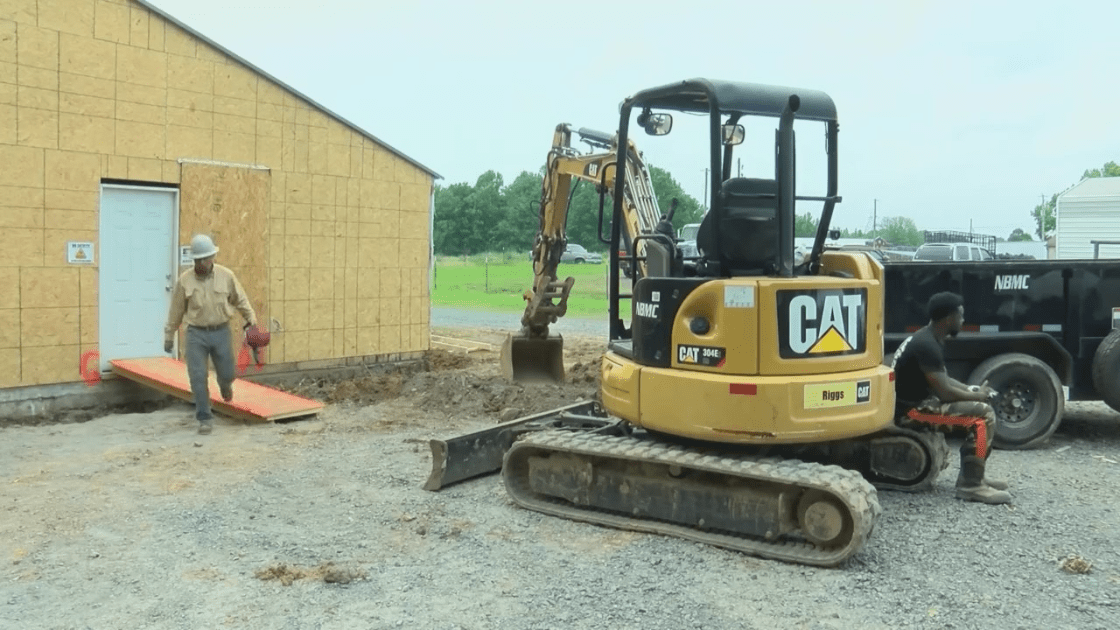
x=135, y=521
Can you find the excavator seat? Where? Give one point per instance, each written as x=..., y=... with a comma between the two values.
x=748, y=231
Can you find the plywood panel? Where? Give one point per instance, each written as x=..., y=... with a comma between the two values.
x=251, y=402
x=232, y=205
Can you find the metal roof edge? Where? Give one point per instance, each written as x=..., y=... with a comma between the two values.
x=287, y=87
x=1111, y=188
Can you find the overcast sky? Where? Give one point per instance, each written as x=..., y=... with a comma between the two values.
x=950, y=112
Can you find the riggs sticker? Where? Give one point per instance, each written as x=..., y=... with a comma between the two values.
x=822, y=322
x=701, y=355
x=821, y=396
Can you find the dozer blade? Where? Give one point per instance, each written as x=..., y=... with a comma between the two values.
x=532, y=359
x=481, y=452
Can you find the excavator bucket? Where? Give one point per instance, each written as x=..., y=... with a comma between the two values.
x=532, y=359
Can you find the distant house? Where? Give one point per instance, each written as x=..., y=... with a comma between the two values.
x=1086, y=212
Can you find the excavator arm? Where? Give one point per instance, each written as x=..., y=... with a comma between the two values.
x=532, y=354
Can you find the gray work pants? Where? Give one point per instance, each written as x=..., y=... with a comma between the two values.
x=202, y=345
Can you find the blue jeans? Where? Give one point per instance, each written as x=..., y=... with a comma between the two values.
x=202, y=344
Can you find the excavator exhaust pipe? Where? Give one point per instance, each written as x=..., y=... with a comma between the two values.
x=528, y=359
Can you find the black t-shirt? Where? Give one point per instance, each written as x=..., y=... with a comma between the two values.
x=918, y=355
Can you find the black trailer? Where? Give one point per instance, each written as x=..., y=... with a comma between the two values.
x=1039, y=331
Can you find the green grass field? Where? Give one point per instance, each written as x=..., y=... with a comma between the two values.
x=498, y=284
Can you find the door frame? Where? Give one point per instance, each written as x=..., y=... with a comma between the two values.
x=174, y=245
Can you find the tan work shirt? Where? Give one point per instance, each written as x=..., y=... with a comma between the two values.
x=207, y=301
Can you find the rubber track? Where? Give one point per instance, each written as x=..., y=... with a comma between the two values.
x=857, y=495
x=936, y=448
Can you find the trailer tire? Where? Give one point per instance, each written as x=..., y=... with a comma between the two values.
x=1106, y=370
x=1030, y=401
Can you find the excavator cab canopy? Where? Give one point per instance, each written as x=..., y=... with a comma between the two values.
x=749, y=229
x=761, y=211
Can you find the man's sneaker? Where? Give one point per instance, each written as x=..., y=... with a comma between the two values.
x=227, y=394
x=204, y=428
x=983, y=494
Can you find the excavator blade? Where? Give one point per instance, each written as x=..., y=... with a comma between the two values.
x=532, y=359
x=481, y=452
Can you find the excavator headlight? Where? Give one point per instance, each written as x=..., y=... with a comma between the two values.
x=699, y=325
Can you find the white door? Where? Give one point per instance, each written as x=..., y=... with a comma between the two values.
x=137, y=273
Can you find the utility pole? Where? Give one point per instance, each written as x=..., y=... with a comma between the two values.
x=705, y=188
x=875, y=220
x=739, y=161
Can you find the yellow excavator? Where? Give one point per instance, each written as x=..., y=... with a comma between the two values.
x=746, y=405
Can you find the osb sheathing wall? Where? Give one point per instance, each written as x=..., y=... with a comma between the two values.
x=106, y=89
x=231, y=205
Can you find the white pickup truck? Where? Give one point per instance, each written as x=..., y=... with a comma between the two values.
x=941, y=252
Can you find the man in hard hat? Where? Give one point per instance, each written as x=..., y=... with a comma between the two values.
x=205, y=297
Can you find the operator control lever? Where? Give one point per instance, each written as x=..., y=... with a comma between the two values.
x=665, y=225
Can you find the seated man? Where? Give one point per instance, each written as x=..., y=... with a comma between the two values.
x=922, y=382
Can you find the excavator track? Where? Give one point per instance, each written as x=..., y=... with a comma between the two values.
x=775, y=508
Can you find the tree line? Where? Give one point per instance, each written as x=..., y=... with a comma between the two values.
x=497, y=217
x=492, y=216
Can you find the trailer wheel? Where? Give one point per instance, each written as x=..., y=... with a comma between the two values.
x=1106, y=370
x=1030, y=400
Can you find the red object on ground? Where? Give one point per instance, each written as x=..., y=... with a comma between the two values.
x=91, y=376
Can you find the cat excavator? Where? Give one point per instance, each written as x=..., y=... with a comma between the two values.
x=746, y=404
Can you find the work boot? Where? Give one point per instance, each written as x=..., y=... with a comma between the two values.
x=205, y=427
x=971, y=486
x=997, y=484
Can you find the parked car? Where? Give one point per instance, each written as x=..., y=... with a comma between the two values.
x=577, y=254
x=952, y=251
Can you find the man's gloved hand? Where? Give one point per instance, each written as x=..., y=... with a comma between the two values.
x=167, y=345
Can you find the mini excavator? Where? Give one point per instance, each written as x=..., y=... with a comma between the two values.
x=746, y=404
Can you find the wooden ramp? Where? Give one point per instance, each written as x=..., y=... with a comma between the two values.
x=250, y=400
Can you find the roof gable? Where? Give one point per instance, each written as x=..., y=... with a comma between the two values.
x=285, y=86
x=1094, y=187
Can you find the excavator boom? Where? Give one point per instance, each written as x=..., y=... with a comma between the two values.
x=532, y=354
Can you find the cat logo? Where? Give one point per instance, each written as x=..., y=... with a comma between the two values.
x=825, y=322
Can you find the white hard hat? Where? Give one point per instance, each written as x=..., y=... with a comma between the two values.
x=202, y=247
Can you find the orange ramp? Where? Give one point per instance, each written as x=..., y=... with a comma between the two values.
x=250, y=400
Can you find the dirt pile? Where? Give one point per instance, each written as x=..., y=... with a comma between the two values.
x=455, y=384
x=468, y=394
